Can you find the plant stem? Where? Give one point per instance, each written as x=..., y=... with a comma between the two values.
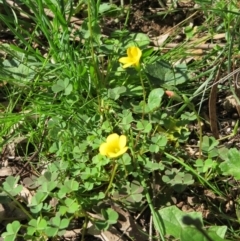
x=112, y=177
x=191, y=107
x=156, y=218
x=144, y=92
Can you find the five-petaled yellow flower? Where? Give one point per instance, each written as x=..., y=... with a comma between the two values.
x=114, y=146
x=133, y=57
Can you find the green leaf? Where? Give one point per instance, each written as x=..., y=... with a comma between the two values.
x=12, y=230
x=144, y=126
x=51, y=231
x=110, y=215
x=101, y=225
x=139, y=39
x=58, y=87
x=209, y=143
x=48, y=186
x=64, y=223
x=160, y=140
x=72, y=205
x=219, y=230
x=231, y=165
x=21, y=72
x=38, y=198
x=116, y=92
x=191, y=233
x=172, y=219
x=62, y=85
x=161, y=72
x=36, y=225
x=155, y=98
x=11, y=185
x=71, y=184
x=104, y=7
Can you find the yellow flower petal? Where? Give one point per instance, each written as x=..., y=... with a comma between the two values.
x=113, y=138
x=133, y=57
x=122, y=141
x=134, y=52
x=103, y=149
x=124, y=60
x=121, y=152
x=114, y=146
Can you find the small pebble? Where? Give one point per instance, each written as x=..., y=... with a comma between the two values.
x=235, y=116
x=233, y=123
x=228, y=130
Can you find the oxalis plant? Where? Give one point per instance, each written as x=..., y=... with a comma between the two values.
x=107, y=129
x=89, y=173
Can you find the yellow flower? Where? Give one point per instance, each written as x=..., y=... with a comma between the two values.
x=133, y=57
x=114, y=146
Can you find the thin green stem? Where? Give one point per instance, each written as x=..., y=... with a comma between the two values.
x=144, y=91
x=17, y=203
x=191, y=107
x=156, y=217
x=112, y=178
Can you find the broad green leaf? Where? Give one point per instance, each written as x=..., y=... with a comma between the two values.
x=172, y=219
x=219, y=230
x=21, y=72
x=162, y=73
x=155, y=98
x=191, y=233
x=231, y=165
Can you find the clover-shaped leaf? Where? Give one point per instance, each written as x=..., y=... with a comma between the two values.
x=110, y=215
x=35, y=225
x=11, y=185
x=12, y=230
x=116, y=92
x=62, y=85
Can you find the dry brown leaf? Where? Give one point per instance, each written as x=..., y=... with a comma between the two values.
x=212, y=107
x=7, y=171
x=128, y=225
x=158, y=41
x=26, y=195
x=112, y=234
